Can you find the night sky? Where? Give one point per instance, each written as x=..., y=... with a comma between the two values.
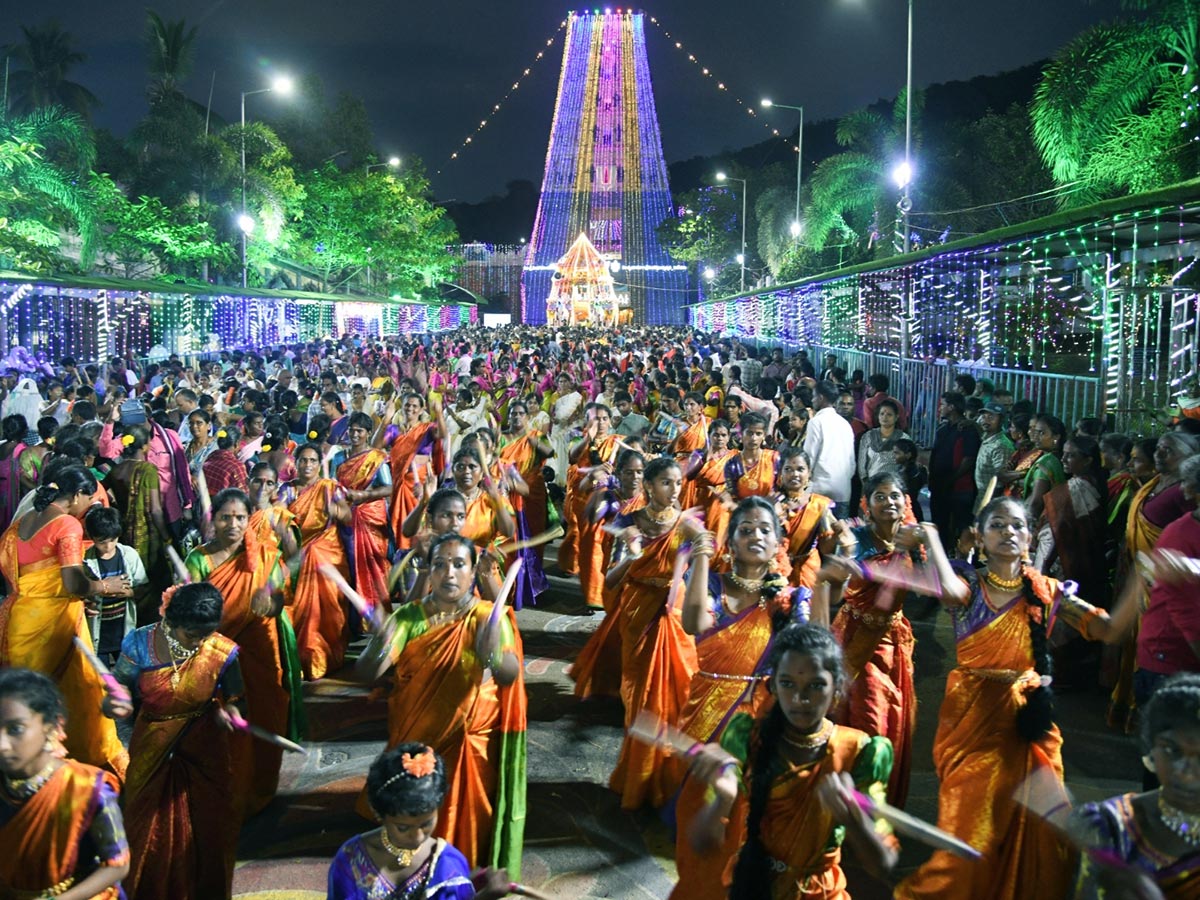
x=430, y=72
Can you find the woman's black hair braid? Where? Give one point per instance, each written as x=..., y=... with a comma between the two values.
x=752, y=874
x=1036, y=717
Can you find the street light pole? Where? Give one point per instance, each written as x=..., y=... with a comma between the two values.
x=282, y=85
x=721, y=176
x=906, y=202
x=799, y=157
x=392, y=163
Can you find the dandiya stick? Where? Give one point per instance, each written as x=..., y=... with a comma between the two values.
x=181, y=571
x=987, y=493
x=917, y=829
x=1047, y=798
x=357, y=600
x=393, y=577
x=650, y=729
x=118, y=690
x=262, y=734
x=537, y=540
x=327, y=460
x=205, y=499
x=510, y=581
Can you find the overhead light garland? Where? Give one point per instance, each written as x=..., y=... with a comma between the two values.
x=496, y=107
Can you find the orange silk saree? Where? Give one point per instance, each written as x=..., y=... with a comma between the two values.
x=419, y=440
x=802, y=530
x=317, y=613
x=369, y=529
x=691, y=439
x=41, y=841
x=179, y=803
x=982, y=763
x=658, y=659
x=39, y=621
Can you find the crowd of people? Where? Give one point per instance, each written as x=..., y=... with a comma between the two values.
x=183, y=546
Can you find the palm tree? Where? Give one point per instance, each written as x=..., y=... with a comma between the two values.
x=1113, y=111
x=171, y=49
x=46, y=57
x=850, y=190
x=47, y=159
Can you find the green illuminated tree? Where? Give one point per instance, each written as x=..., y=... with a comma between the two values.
x=39, y=77
x=46, y=157
x=1114, y=111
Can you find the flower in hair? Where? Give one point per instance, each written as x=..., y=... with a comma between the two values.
x=127, y=439
x=312, y=435
x=266, y=448
x=222, y=433
x=419, y=766
x=53, y=486
x=167, y=596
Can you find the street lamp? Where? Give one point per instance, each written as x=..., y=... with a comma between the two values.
x=392, y=163
x=721, y=176
x=767, y=104
x=280, y=85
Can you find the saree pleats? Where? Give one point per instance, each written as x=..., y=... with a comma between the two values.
x=317, y=614
x=369, y=528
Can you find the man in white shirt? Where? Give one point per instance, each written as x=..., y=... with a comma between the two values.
x=829, y=443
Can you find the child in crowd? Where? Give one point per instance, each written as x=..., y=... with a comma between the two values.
x=111, y=617
x=916, y=476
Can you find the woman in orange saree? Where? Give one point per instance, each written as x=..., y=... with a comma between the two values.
x=363, y=473
x=318, y=616
x=709, y=477
x=525, y=449
x=414, y=438
x=734, y=618
x=249, y=574
x=692, y=439
x=183, y=826
x=488, y=515
x=60, y=822
x=41, y=558
x=807, y=520
x=996, y=745
x=597, y=670
x=658, y=658
x=872, y=627
x=782, y=782
x=594, y=456
x=460, y=690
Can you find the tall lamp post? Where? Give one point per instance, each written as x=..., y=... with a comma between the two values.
x=721, y=176
x=767, y=104
x=903, y=173
x=281, y=85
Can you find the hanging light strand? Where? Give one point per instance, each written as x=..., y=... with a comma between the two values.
x=512, y=89
x=722, y=87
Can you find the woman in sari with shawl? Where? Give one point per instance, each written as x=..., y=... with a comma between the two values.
x=566, y=409
x=734, y=618
x=1074, y=514
x=60, y=822
x=997, y=749
x=317, y=612
x=250, y=576
x=363, y=473
x=14, y=429
x=460, y=690
x=805, y=515
x=414, y=438
x=525, y=449
x=658, y=658
x=1158, y=503
x=872, y=627
x=135, y=486
x=1147, y=831
x=1025, y=455
x=691, y=440
x=782, y=784
x=41, y=559
x=751, y=473
x=183, y=825
x=488, y=515
x=593, y=456
x=709, y=477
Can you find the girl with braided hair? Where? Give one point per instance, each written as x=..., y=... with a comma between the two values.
x=996, y=735
x=734, y=617
x=795, y=769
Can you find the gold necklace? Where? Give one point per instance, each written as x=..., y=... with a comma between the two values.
x=749, y=585
x=818, y=738
x=24, y=788
x=404, y=857
x=1184, y=825
x=180, y=656
x=1004, y=584
x=883, y=542
x=660, y=518
x=441, y=617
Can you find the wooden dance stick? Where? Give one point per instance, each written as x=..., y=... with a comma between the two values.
x=917, y=829
x=181, y=571
x=524, y=890
x=206, y=510
x=987, y=495
x=510, y=581
x=328, y=459
x=650, y=729
x=397, y=570
x=262, y=734
x=118, y=690
x=536, y=541
x=920, y=579
x=357, y=600
x=1047, y=798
